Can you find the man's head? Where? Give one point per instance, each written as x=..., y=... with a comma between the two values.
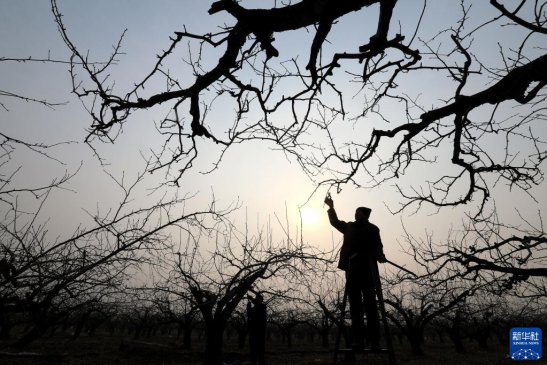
x=362, y=214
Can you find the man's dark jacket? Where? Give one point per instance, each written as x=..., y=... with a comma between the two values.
x=361, y=240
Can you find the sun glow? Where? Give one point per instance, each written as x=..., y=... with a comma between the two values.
x=309, y=216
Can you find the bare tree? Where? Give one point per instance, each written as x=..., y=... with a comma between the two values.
x=326, y=301
x=419, y=302
x=486, y=247
x=50, y=277
x=323, y=320
x=504, y=261
x=219, y=277
x=473, y=318
x=177, y=306
x=314, y=92
x=287, y=318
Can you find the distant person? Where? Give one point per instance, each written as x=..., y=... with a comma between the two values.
x=361, y=249
x=8, y=271
x=256, y=317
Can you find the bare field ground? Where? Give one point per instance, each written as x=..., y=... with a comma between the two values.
x=107, y=350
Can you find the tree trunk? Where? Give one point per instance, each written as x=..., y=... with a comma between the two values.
x=482, y=339
x=440, y=335
x=325, y=337
x=213, y=344
x=501, y=335
x=5, y=324
x=458, y=343
x=416, y=346
x=416, y=339
x=79, y=326
x=287, y=335
x=187, y=335
x=241, y=337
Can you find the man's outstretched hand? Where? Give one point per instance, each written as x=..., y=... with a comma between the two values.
x=329, y=202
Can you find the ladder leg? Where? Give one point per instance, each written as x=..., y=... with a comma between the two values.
x=340, y=325
x=380, y=296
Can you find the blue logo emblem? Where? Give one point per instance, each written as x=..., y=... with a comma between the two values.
x=525, y=343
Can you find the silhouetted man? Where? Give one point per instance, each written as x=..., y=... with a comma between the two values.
x=361, y=248
x=256, y=316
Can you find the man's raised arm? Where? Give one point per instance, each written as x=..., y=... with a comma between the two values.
x=333, y=218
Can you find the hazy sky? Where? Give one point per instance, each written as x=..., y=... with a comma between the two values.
x=263, y=180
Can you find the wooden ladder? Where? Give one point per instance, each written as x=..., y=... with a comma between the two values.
x=367, y=351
